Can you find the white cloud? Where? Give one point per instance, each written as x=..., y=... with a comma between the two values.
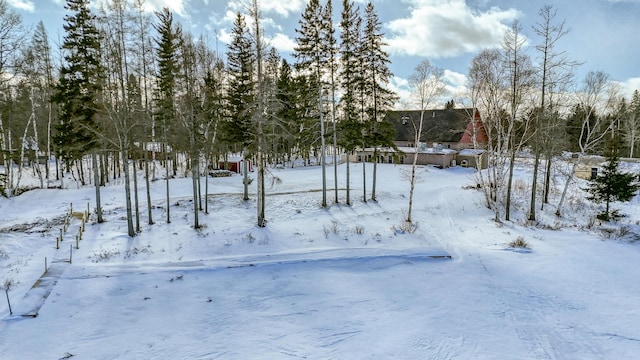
x=454, y=78
x=282, y=43
x=456, y=84
x=628, y=86
x=175, y=6
x=455, y=88
x=25, y=5
x=447, y=28
x=225, y=36
x=282, y=7
x=401, y=87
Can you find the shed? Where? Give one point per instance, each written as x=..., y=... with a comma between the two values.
x=235, y=164
x=473, y=158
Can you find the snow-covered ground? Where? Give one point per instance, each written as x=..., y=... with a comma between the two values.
x=336, y=283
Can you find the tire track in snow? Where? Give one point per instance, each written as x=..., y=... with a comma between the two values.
x=529, y=312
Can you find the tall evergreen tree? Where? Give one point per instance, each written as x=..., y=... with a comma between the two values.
x=240, y=93
x=376, y=79
x=79, y=88
x=286, y=95
x=311, y=55
x=167, y=43
x=331, y=45
x=352, y=133
x=79, y=84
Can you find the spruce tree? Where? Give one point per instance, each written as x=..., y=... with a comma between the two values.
x=240, y=93
x=167, y=43
x=331, y=48
x=377, y=78
x=80, y=83
x=241, y=85
x=351, y=129
x=79, y=90
x=611, y=184
x=311, y=55
x=286, y=96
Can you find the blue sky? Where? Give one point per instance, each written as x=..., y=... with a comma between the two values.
x=449, y=33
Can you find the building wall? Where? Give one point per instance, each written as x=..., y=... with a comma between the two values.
x=472, y=161
x=442, y=160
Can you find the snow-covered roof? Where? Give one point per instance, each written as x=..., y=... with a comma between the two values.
x=471, y=152
x=412, y=150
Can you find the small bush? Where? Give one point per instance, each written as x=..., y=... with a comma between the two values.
x=406, y=227
x=331, y=229
x=135, y=251
x=521, y=187
x=104, y=254
x=618, y=233
x=359, y=229
x=519, y=243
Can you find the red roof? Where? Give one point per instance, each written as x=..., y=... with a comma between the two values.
x=475, y=128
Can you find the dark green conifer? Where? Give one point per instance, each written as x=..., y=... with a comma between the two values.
x=78, y=91
x=611, y=184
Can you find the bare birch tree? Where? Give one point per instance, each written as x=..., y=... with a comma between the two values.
x=486, y=85
x=554, y=71
x=631, y=124
x=11, y=36
x=427, y=86
x=595, y=95
x=519, y=75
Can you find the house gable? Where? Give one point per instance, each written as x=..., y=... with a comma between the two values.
x=475, y=131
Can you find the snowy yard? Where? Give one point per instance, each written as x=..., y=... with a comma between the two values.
x=336, y=283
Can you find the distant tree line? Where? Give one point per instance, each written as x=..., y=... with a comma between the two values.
x=530, y=100
x=132, y=92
